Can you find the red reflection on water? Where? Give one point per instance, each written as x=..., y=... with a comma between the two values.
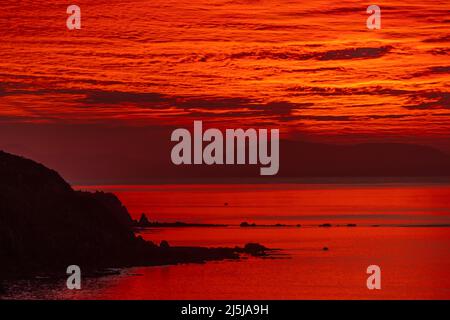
x=414, y=260
x=289, y=203
x=414, y=264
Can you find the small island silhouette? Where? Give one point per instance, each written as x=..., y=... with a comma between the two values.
x=46, y=226
x=144, y=222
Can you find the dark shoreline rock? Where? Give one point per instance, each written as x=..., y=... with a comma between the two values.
x=144, y=223
x=245, y=224
x=325, y=225
x=46, y=226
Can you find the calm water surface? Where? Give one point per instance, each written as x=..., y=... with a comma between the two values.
x=414, y=260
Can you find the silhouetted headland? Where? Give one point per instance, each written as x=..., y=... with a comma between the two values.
x=46, y=226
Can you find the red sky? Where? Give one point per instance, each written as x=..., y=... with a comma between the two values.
x=136, y=68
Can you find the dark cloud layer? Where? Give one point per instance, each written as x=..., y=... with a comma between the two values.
x=223, y=107
x=432, y=70
x=335, y=91
x=430, y=100
x=295, y=53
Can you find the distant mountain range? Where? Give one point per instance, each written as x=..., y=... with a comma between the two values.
x=308, y=160
x=362, y=160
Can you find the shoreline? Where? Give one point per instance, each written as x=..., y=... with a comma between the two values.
x=164, y=255
x=309, y=226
